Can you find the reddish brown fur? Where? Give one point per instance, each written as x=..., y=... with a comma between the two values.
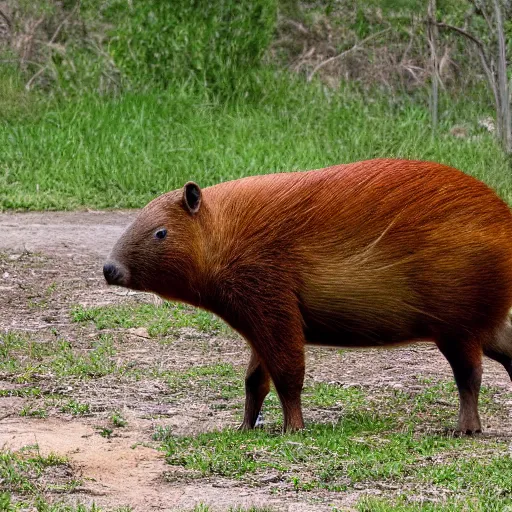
x=374, y=253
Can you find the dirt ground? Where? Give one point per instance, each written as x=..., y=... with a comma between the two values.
x=66, y=251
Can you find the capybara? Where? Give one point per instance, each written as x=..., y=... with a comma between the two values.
x=369, y=254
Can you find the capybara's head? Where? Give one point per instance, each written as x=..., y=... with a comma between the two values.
x=158, y=252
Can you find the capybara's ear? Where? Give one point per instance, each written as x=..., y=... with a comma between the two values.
x=192, y=197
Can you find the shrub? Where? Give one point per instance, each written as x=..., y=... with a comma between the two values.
x=199, y=42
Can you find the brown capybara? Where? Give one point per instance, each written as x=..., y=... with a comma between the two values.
x=374, y=253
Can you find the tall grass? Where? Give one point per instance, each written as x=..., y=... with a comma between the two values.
x=121, y=152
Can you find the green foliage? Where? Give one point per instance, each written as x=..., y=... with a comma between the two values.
x=468, y=504
x=356, y=449
x=211, y=44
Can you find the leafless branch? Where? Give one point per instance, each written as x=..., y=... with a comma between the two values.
x=63, y=22
x=40, y=71
x=6, y=18
x=295, y=24
x=481, y=52
x=463, y=33
x=354, y=48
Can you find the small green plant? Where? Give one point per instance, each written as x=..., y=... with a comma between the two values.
x=35, y=412
x=117, y=420
x=106, y=432
x=162, y=433
x=76, y=408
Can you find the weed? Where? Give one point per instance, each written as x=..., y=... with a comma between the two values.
x=106, y=432
x=117, y=420
x=162, y=433
x=76, y=408
x=35, y=412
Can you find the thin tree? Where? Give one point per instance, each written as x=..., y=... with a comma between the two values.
x=432, y=35
x=494, y=64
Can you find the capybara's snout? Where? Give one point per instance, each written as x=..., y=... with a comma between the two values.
x=114, y=273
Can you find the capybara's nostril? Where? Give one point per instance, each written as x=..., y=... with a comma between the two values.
x=112, y=273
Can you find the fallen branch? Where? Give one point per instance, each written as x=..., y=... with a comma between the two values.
x=357, y=46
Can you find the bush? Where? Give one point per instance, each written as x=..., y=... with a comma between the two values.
x=213, y=44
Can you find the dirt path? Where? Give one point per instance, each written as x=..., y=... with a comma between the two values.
x=89, y=233
x=65, y=251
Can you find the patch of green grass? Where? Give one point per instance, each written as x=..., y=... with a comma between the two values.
x=33, y=411
x=329, y=395
x=123, y=151
x=117, y=420
x=39, y=503
x=373, y=441
x=27, y=392
x=437, y=504
x=105, y=432
x=23, y=357
x=159, y=320
x=332, y=449
x=221, y=381
x=96, y=363
x=162, y=433
x=76, y=408
x=24, y=471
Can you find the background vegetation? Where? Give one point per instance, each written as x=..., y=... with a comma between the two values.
x=107, y=103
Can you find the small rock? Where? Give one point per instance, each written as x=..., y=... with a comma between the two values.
x=5, y=275
x=270, y=479
x=142, y=332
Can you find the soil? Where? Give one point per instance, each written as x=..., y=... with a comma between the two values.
x=63, y=253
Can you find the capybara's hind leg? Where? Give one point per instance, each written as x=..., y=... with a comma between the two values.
x=466, y=362
x=257, y=385
x=500, y=348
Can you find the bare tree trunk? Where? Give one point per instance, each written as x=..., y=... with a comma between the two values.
x=432, y=35
x=503, y=113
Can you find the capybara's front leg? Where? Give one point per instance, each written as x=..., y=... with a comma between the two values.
x=284, y=359
x=288, y=380
x=276, y=336
x=257, y=385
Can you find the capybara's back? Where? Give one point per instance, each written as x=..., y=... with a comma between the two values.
x=373, y=253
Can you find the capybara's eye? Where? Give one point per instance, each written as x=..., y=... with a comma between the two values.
x=161, y=234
